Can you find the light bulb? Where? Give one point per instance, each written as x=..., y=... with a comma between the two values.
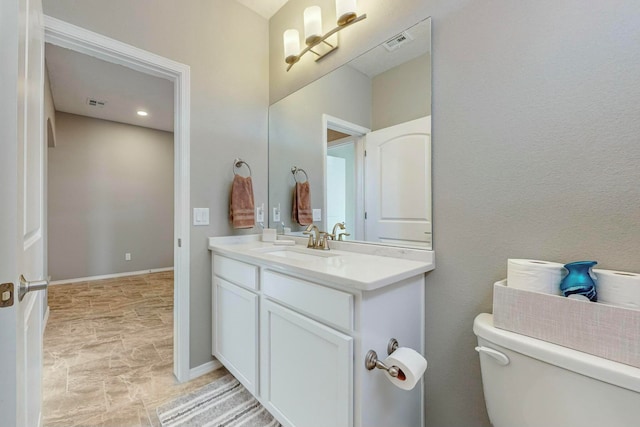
x=291, y=46
x=312, y=25
x=345, y=11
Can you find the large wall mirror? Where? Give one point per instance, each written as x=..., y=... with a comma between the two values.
x=361, y=136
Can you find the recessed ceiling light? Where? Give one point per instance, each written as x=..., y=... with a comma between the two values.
x=142, y=113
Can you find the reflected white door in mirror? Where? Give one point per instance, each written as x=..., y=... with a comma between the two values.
x=398, y=184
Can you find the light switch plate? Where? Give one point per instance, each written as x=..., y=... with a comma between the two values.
x=200, y=216
x=260, y=213
x=317, y=214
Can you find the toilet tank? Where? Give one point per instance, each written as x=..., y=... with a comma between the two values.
x=540, y=384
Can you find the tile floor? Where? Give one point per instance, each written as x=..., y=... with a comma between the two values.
x=108, y=353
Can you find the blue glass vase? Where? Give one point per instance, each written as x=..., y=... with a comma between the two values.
x=579, y=280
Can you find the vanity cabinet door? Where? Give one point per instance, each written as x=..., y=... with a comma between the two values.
x=235, y=331
x=307, y=369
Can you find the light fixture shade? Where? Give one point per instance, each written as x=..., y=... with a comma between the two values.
x=291, y=46
x=312, y=25
x=345, y=11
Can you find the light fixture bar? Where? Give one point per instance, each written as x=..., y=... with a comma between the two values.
x=322, y=39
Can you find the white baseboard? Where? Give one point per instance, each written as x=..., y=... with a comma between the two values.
x=203, y=369
x=109, y=276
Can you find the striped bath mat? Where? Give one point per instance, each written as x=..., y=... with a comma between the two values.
x=223, y=403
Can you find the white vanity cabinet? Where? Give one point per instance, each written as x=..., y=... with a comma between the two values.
x=235, y=319
x=303, y=360
x=296, y=337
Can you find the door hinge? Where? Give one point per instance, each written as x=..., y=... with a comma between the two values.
x=179, y=243
x=365, y=215
x=6, y=295
x=365, y=153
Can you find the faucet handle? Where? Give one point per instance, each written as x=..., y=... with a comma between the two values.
x=323, y=242
x=341, y=236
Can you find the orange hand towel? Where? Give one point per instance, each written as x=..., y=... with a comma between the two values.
x=301, y=211
x=241, y=207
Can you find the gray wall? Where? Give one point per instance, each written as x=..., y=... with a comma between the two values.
x=535, y=154
x=110, y=192
x=226, y=46
x=402, y=93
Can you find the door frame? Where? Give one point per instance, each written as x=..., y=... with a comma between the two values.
x=63, y=34
x=352, y=129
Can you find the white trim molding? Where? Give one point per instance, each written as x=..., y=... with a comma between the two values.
x=203, y=369
x=108, y=276
x=69, y=36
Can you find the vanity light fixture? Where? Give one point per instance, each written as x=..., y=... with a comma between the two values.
x=142, y=113
x=316, y=42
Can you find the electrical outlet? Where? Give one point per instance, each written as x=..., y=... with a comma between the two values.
x=260, y=213
x=317, y=214
x=276, y=214
x=127, y=256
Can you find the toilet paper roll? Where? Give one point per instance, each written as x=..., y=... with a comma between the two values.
x=618, y=288
x=536, y=276
x=411, y=364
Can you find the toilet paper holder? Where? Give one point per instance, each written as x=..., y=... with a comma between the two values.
x=371, y=360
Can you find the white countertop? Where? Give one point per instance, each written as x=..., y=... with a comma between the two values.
x=351, y=265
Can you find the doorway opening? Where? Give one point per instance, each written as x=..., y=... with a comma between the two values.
x=344, y=153
x=71, y=37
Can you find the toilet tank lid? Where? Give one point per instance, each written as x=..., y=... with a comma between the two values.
x=605, y=370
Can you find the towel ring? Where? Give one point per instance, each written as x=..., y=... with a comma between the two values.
x=295, y=170
x=237, y=164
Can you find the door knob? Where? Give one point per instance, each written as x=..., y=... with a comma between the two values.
x=27, y=286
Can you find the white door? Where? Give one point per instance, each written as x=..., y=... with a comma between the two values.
x=21, y=207
x=398, y=184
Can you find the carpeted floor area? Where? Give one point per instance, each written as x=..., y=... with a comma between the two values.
x=108, y=353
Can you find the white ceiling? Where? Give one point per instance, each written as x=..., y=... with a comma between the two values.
x=265, y=8
x=379, y=59
x=76, y=77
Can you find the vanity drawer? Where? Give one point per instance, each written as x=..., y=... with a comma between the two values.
x=237, y=272
x=330, y=305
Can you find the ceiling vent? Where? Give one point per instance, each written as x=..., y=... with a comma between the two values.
x=92, y=102
x=397, y=41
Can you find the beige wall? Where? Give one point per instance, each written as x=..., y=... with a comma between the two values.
x=535, y=153
x=226, y=46
x=110, y=192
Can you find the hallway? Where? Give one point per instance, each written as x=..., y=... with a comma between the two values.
x=108, y=352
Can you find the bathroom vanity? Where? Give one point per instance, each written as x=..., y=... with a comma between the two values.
x=293, y=325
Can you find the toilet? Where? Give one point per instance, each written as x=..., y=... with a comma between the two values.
x=532, y=383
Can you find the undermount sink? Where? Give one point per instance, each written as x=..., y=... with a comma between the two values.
x=298, y=254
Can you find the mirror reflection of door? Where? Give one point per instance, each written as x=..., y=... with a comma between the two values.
x=398, y=184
